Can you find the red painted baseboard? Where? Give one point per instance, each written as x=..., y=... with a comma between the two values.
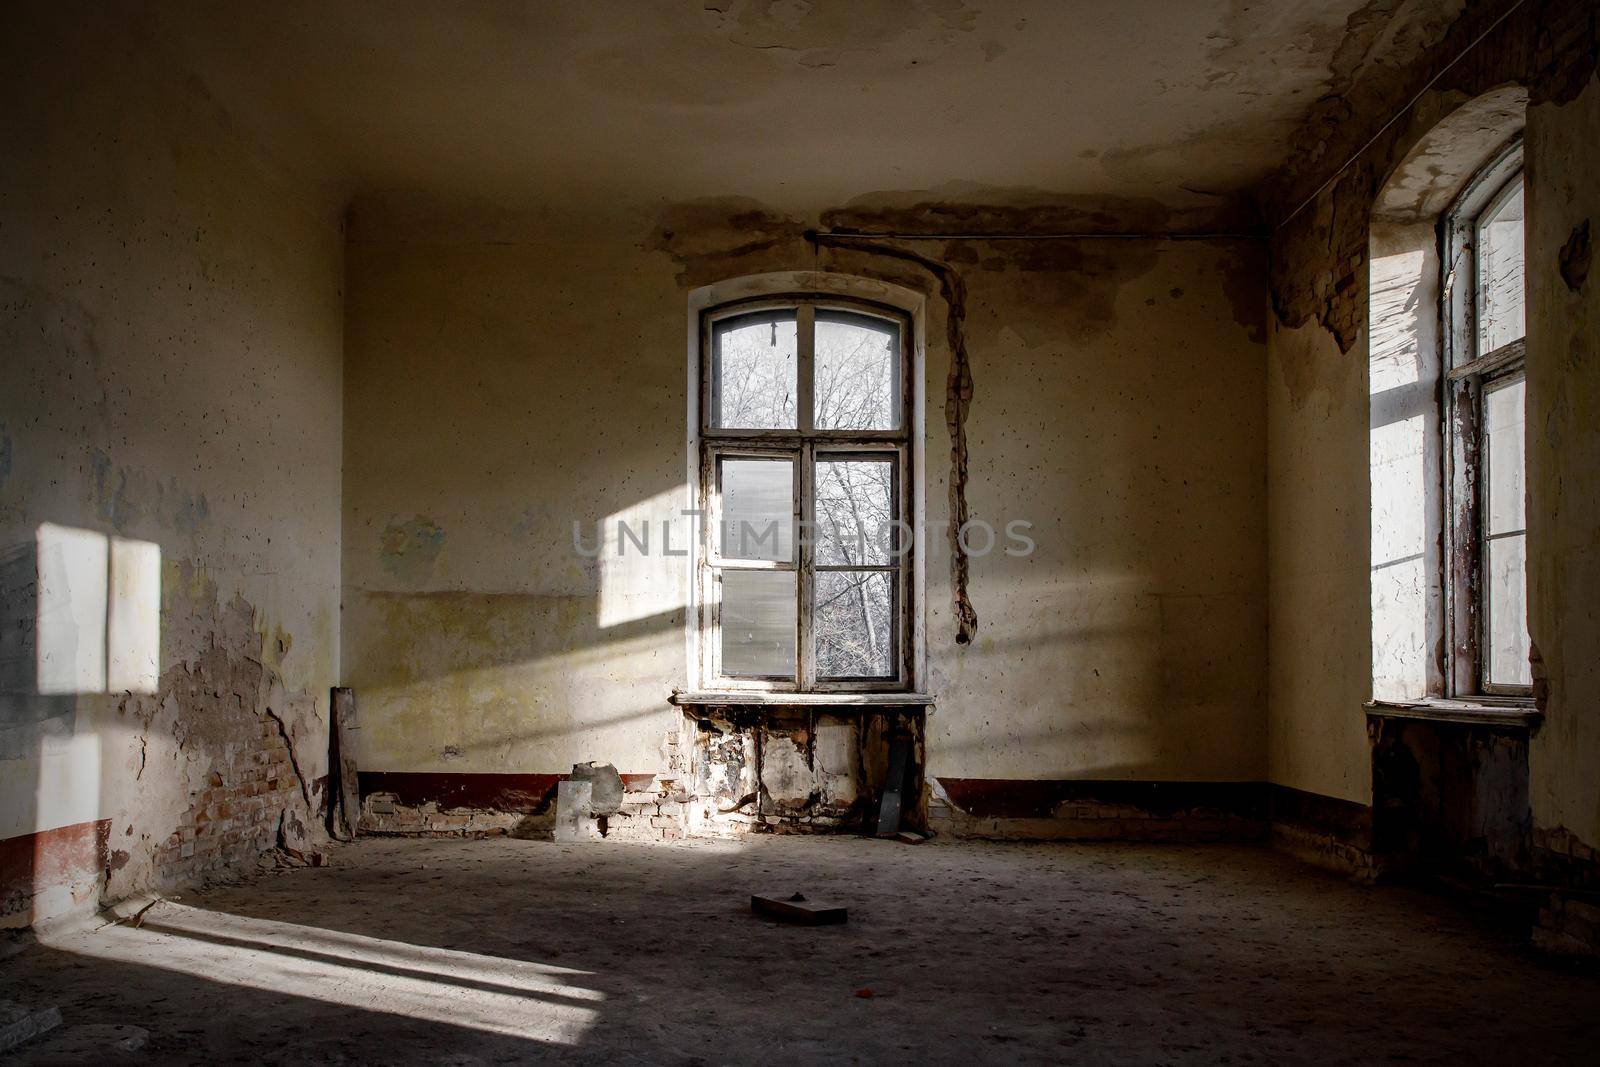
x=46, y=859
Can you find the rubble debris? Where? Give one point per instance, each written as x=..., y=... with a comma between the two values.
x=91, y=1042
x=281, y=858
x=295, y=843
x=795, y=908
x=15, y=942
x=130, y=911
x=575, y=818
x=606, y=794
x=19, y=1023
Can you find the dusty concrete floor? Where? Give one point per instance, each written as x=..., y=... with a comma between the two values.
x=450, y=951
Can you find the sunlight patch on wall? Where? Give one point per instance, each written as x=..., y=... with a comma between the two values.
x=1399, y=560
x=642, y=569
x=1402, y=459
x=98, y=613
x=1393, y=324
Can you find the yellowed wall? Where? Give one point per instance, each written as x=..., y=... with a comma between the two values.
x=496, y=392
x=1131, y=643
x=170, y=373
x=1563, y=153
x=507, y=374
x=1319, y=649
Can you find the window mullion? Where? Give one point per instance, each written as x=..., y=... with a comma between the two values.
x=805, y=358
x=806, y=509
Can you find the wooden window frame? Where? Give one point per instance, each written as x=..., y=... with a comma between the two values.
x=1468, y=376
x=804, y=445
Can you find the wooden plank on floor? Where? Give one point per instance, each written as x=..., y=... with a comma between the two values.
x=795, y=908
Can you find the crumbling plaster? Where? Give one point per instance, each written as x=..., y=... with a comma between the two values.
x=170, y=317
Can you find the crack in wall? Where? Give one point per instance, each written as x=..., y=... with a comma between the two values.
x=294, y=760
x=958, y=401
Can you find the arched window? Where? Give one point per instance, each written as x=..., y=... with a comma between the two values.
x=806, y=485
x=1446, y=384
x=1483, y=398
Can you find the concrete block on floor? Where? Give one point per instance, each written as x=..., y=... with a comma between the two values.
x=574, y=821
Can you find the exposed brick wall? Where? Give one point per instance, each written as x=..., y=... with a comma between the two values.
x=1325, y=832
x=1569, y=920
x=252, y=788
x=1569, y=925
x=655, y=814
x=795, y=769
x=387, y=813
x=1560, y=858
x=653, y=809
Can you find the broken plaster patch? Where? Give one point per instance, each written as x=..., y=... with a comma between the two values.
x=125, y=495
x=410, y=549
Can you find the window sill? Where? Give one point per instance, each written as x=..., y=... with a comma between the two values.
x=768, y=698
x=1512, y=714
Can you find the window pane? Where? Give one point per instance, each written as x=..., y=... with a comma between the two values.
x=854, y=624
x=757, y=509
x=856, y=383
x=1503, y=405
x=1506, y=580
x=1505, y=557
x=758, y=623
x=855, y=503
x=753, y=379
x=1500, y=311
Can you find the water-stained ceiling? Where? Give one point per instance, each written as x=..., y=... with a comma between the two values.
x=796, y=103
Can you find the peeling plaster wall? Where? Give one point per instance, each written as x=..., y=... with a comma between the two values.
x=170, y=323
x=1563, y=150
x=1318, y=493
x=510, y=372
